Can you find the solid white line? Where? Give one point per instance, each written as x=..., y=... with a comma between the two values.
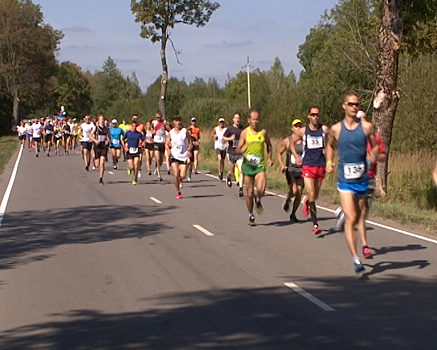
x=309, y=296
x=203, y=230
x=156, y=200
x=9, y=188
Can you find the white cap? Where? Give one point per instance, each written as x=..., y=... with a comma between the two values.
x=193, y=119
x=114, y=121
x=361, y=114
x=221, y=120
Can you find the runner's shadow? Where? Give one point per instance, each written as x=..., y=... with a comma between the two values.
x=393, y=265
x=205, y=196
x=385, y=250
x=198, y=186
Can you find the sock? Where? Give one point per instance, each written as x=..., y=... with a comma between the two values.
x=313, y=212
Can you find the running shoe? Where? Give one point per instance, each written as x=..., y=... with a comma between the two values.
x=129, y=172
x=159, y=179
x=168, y=172
x=240, y=192
x=317, y=229
x=251, y=220
x=134, y=182
x=101, y=181
x=179, y=195
x=180, y=183
x=94, y=168
x=339, y=213
x=196, y=172
x=189, y=178
x=155, y=172
x=87, y=168
x=367, y=253
x=115, y=167
x=286, y=206
x=48, y=155
x=139, y=174
x=359, y=268
x=150, y=173
x=220, y=176
x=294, y=219
x=306, y=207
x=229, y=181
x=259, y=208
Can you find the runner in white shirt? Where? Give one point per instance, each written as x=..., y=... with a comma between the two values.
x=159, y=139
x=21, y=131
x=29, y=133
x=178, y=143
x=87, y=128
x=220, y=146
x=36, y=135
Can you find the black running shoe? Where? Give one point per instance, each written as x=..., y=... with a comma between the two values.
x=220, y=176
x=229, y=181
x=240, y=192
x=251, y=221
x=294, y=219
x=101, y=181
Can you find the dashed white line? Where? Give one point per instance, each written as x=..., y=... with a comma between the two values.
x=9, y=188
x=156, y=200
x=309, y=296
x=111, y=172
x=203, y=230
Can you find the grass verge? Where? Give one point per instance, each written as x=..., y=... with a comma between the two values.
x=8, y=145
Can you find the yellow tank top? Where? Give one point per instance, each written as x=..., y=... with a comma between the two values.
x=254, y=154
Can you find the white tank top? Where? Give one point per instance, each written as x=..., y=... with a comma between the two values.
x=86, y=131
x=219, y=143
x=179, y=144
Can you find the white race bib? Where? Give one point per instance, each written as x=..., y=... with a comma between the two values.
x=353, y=171
x=115, y=142
x=159, y=139
x=314, y=142
x=133, y=150
x=253, y=160
x=101, y=138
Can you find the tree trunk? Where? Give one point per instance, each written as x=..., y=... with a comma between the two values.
x=164, y=75
x=386, y=97
x=15, y=102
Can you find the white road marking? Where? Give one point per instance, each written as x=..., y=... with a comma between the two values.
x=156, y=200
x=203, y=230
x=309, y=296
x=111, y=172
x=9, y=188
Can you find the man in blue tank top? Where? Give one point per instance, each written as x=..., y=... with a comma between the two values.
x=351, y=136
x=314, y=138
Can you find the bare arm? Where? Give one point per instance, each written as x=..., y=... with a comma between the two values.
x=434, y=174
x=269, y=148
x=294, y=139
x=241, y=148
x=282, y=148
x=330, y=148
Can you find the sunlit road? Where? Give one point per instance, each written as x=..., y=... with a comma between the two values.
x=85, y=266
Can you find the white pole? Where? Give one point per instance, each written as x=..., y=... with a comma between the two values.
x=248, y=83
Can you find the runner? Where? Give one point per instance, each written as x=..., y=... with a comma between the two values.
x=116, y=142
x=313, y=161
x=21, y=131
x=148, y=146
x=372, y=177
x=75, y=133
x=232, y=136
x=101, y=139
x=86, y=129
x=58, y=136
x=66, y=132
x=159, y=139
x=141, y=129
x=29, y=133
x=293, y=172
x=125, y=127
x=36, y=135
x=220, y=146
x=133, y=140
x=251, y=144
x=178, y=143
x=194, y=131
x=72, y=126
x=48, y=135
x=352, y=135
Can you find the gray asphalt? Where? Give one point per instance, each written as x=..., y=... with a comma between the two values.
x=85, y=266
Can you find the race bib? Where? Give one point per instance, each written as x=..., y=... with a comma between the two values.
x=314, y=142
x=353, y=171
x=253, y=160
x=133, y=150
x=101, y=138
x=66, y=132
x=159, y=139
x=58, y=135
x=235, y=143
x=115, y=142
x=48, y=132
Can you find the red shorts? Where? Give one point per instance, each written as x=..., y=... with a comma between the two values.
x=314, y=172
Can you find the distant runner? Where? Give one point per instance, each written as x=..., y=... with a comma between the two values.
x=220, y=146
x=101, y=138
x=117, y=134
x=134, y=140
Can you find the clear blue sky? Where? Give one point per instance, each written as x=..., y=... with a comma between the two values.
x=261, y=29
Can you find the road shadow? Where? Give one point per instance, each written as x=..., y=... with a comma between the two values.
x=385, y=250
x=204, y=196
x=393, y=265
x=367, y=316
x=31, y=231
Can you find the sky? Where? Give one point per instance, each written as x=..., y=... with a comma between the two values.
x=260, y=29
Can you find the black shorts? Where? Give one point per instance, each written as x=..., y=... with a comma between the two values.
x=100, y=152
x=21, y=137
x=294, y=175
x=159, y=147
x=195, y=147
x=37, y=139
x=234, y=157
x=177, y=161
x=66, y=136
x=220, y=152
x=149, y=146
x=47, y=137
x=132, y=155
x=86, y=145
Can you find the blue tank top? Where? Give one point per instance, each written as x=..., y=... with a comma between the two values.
x=352, y=148
x=313, y=147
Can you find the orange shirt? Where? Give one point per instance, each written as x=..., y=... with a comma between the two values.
x=195, y=132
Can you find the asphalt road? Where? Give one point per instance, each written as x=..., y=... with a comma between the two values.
x=86, y=266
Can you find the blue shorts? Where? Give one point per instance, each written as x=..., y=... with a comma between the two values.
x=359, y=189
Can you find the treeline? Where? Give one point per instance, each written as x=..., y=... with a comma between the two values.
x=339, y=54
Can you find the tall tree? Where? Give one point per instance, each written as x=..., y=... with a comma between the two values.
x=159, y=17
x=27, y=51
x=418, y=18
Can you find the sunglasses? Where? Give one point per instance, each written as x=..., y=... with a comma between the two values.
x=353, y=104
x=314, y=114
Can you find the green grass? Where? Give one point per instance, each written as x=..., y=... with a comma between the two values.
x=412, y=197
x=8, y=145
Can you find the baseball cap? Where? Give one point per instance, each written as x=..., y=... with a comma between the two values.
x=221, y=120
x=114, y=121
x=361, y=114
x=296, y=121
x=193, y=119
x=176, y=117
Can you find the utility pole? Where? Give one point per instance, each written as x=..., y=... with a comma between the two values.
x=248, y=66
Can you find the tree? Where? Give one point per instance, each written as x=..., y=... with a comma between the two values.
x=420, y=17
x=27, y=51
x=159, y=17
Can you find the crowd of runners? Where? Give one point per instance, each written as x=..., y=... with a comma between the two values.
x=309, y=150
